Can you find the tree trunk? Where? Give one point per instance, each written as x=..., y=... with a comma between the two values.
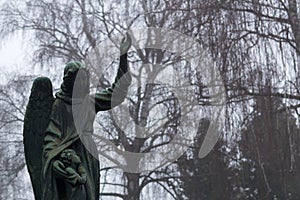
x=295, y=22
x=133, y=190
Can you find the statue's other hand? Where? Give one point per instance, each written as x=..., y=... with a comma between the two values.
x=125, y=44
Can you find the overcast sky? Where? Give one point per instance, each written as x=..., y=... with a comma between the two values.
x=12, y=52
x=12, y=55
x=16, y=58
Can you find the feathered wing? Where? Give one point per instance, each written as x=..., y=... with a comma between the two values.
x=36, y=120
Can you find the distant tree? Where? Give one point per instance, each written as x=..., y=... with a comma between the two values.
x=207, y=178
x=269, y=147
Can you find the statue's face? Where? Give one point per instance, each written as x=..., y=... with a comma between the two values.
x=69, y=156
x=76, y=80
x=69, y=77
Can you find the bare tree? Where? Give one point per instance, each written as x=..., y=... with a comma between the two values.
x=13, y=103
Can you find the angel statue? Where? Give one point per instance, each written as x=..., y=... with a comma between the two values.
x=59, y=163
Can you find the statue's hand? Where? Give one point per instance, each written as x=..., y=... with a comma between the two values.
x=74, y=178
x=71, y=171
x=125, y=44
x=82, y=173
x=82, y=180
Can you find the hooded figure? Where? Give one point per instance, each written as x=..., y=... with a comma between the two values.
x=73, y=114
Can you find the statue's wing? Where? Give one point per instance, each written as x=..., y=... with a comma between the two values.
x=36, y=120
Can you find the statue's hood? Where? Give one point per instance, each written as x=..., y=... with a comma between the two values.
x=75, y=82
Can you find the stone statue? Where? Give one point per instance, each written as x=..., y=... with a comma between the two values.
x=69, y=169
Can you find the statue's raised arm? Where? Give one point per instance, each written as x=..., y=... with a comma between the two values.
x=114, y=95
